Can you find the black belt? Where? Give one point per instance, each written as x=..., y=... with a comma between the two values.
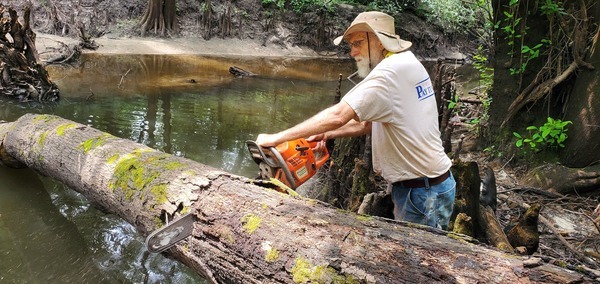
x=420, y=182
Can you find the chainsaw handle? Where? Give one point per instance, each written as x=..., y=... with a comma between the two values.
x=320, y=156
x=300, y=149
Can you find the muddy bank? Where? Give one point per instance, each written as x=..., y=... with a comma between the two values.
x=48, y=43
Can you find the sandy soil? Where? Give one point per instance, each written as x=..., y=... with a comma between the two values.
x=47, y=44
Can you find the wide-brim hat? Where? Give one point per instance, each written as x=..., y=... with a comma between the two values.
x=382, y=25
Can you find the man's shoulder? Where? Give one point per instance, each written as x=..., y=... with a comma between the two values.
x=404, y=58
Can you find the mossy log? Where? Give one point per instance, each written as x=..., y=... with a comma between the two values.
x=244, y=233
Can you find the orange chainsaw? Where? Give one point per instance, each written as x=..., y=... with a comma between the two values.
x=292, y=162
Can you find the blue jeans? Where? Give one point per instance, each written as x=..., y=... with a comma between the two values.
x=430, y=205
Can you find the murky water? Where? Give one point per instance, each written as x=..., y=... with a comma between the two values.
x=189, y=106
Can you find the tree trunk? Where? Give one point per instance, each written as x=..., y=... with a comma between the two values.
x=582, y=148
x=244, y=233
x=466, y=201
x=350, y=175
x=160, y=16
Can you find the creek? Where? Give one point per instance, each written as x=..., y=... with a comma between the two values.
x=189, y=106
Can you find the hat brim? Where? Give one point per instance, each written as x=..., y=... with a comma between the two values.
x=391, y=42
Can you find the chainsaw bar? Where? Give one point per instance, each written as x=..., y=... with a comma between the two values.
x=170, y=234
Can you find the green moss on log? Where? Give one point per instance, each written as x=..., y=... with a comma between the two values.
x=304, y=272
x=251, y=222
x=42, y=139
x=44, y=118
x=160, y=193
x=136, y=174
x=272, y=255
x=93, y=143
x=60, y=131
x=113, y=159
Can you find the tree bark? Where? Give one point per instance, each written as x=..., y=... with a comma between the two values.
x=244, y=233
x=160, y=16
x=560, y=179
x=492, y=229
x=582, y=148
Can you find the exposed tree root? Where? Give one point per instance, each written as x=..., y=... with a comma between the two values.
x=22, y=77
x=564, y=180
x=578, y=254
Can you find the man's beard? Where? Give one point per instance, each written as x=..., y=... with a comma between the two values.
x=362, y=64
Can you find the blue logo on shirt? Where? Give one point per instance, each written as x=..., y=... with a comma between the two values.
x=424, y=89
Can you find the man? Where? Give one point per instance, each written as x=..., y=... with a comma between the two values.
x=395, y=103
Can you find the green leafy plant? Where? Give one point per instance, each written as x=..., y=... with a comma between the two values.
x=493, y=152
x=516, y=32
x=528, y=54
x=551, y=135
x=453, y=103
x=486, y=73
x=549, y=7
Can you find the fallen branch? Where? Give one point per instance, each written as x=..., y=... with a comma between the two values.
x=239, y=72
x=123, y=78
x=539, y=92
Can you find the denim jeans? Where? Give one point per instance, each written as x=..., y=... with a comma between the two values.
x=430, y=205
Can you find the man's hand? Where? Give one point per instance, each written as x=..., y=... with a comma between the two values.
x=321, y=142
x=267, y=140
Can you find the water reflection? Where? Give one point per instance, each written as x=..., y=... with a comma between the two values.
x=151, y=100
x=207, y=121
x=37, y=243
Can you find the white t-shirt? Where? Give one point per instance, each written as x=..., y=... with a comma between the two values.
x=397, y=97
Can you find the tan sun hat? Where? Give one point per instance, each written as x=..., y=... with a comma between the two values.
x=382, y=25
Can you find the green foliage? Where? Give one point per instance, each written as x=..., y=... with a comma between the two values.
x=493, y=152
x=300, y=6
x=453, y=103
x=390, y=6
x=486, y=73
x=516, y=32
x=528, y=54
x=452, y=15
x=549, y=7
x=551, y=135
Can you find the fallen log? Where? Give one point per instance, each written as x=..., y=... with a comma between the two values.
x=244, y=233
x=239, y=72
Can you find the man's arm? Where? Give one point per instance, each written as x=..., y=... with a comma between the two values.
x=328, y=119
x=351, y=129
